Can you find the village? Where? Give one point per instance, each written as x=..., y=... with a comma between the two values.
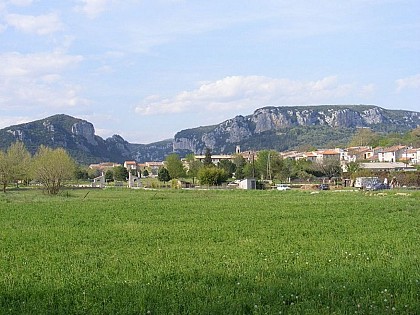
x=376, y=160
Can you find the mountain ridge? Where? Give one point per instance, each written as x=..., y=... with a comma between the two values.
x=280, y=128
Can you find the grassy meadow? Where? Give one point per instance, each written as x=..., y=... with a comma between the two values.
x=120, y=251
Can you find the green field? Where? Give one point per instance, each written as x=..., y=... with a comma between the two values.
x=209, y=252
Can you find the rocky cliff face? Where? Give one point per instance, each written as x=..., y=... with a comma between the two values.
x=278, y=128
x=78, y=137
x=267, y=120
x=86, y=130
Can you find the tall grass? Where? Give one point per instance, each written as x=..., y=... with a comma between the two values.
x=209, y=252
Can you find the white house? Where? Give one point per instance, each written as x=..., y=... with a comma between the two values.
x=392, y=154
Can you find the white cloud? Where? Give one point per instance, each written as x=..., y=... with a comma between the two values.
x=412, y=82
x=41, y=24
x=7, y=121
x=36, y=80
x=21, y=3
x=367, y=91
x=17, y=64
x=92, y=8
x=247, y=93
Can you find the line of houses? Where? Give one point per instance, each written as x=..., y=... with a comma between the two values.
x=397, y=157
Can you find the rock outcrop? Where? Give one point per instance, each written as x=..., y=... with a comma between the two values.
x=86, y=130
x=265, y=122
x=278, y=128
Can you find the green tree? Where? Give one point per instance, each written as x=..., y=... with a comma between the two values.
x=14, y=164
x=363, y=137
x=194, y=166
x=81, y=173
x=240, y=163
x=208, y=161
x=228, y=166
x=266, y=159
x=145, y=173
x=330, y=168
x=93, y=173
x=51, y=167
x=250, y=171
x=352, y=169
x=120, y=173
x=212, y=176
x=284, y=169
x=163, y=175
x=109, y=176
x=174, y=166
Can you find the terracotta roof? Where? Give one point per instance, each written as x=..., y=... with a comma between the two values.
x=394, y=148
x=330, y=152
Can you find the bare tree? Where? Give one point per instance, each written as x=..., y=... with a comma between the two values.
x=52, y=167
x=14, y=164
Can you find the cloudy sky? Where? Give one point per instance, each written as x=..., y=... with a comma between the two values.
x=146, y=69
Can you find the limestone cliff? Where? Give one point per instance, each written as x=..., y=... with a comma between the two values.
x=278, y=128
x=277, y=124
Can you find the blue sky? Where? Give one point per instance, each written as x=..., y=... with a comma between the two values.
x=146, y=69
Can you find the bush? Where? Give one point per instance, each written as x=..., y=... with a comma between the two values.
x=212, y=176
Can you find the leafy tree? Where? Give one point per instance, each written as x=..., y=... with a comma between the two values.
x=93, y=173
x=109, y=176
x=14, y=164
x=250, y=170
x=52, y=167
x=163, y=175
x=174, y=166
x=208, y=161
x=352, y=170
x=265, y=161
x=415, y=137
x=145, y=173
x=212, y=176
x=120, y=173
x=284, y=169
x=228, y=166
x=81, y=173
x=240, y=163
x=4, y=170
x=330, y=167
x=363, y=137
x=193, y=166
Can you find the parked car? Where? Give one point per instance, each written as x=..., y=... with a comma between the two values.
x=324, y=187
x=282, y=187
x=377, y=186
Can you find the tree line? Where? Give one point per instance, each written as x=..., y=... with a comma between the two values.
x=266, y=165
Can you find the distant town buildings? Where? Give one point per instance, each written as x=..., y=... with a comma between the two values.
x=397, y=157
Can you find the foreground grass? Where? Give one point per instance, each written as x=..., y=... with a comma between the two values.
x=211, y=252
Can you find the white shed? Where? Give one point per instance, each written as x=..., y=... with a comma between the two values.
x=248, y=183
